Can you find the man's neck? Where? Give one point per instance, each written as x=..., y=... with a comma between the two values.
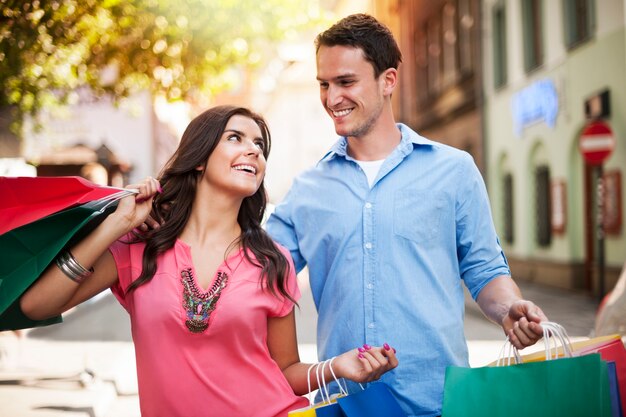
x=377, y=144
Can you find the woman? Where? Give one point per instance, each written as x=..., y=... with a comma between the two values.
x=209, y=294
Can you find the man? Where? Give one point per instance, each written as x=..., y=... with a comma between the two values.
x=389, y=223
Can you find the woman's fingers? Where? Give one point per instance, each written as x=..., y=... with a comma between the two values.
x=377, y=360
x=136, y=208
x=147, y=189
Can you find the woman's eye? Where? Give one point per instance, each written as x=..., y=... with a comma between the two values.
x=260, y=144
x=233, y=138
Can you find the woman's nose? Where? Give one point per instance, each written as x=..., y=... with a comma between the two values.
x=252, y=149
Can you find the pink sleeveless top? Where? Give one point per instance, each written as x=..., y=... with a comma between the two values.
x=203, y=352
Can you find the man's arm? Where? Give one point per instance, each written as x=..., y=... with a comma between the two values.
x=281, y=228
x=501, y=301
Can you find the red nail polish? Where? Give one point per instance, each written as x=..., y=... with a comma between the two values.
x=367, y=347
x=386, y=346
x=394, y=350
x=361, y=356
x=159, y=188
x=361, y=350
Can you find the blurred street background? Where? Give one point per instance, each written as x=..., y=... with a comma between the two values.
x=534, y=90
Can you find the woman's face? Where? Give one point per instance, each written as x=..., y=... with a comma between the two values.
x=237, y=164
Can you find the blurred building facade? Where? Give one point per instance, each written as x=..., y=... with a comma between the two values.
x=440, y=83
x=113, y=144
x=515, y=83
x=551, y=67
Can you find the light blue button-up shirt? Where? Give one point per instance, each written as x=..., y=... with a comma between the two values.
x=386, y=262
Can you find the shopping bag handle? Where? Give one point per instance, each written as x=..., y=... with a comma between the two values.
x=553, y=335
x=342, y=389
x=308, y=381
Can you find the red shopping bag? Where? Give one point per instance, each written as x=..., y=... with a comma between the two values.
x=26, y=199
x=611, y=348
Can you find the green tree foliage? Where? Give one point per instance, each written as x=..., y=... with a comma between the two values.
x=179, y=48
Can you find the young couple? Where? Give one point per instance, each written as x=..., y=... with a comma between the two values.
x=211, y=296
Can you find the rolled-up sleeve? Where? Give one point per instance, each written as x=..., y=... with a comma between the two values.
x=480, y=255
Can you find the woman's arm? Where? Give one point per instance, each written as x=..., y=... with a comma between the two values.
x=360, y=365
x=54, y=292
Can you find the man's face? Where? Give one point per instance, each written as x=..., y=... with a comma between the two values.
x=349, y=92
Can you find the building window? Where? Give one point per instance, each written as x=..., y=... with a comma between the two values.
x=450, y=45
x=579, y=21
x=434, y=56
x=466, y=36
x=509, y=217
x=543, y=229
x=421, y=66
x=499, y=46
x=532, y=34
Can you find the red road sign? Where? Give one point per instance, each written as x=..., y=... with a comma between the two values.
x=596, y=142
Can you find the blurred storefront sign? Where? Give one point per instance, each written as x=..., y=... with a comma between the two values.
x=612, y=206
x=558, y=197
x=536, y=103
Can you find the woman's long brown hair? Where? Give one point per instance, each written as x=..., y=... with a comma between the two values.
x=179, y=180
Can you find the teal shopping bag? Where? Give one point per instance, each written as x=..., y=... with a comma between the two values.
x=573, y=387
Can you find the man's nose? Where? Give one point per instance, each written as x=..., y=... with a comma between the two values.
x=333, y=96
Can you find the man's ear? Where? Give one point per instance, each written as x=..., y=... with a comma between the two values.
x=389, y=80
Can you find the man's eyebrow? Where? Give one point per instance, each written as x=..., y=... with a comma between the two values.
x=339, y=77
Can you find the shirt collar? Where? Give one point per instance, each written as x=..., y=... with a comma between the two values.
x=409, y=138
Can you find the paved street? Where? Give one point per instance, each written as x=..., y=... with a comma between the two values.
x=85, y=367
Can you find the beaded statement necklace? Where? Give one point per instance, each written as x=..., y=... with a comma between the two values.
x=199, y=304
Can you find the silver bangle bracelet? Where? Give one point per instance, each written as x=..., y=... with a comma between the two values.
x=72, y=268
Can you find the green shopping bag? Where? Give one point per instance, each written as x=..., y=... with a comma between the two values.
x=28, y=250
x=561, y=387
x=570, y=386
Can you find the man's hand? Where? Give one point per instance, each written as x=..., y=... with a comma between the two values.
x=522, y=324
x=502, y=303
x=149, y=224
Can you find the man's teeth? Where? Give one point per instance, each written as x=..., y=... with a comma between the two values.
x=340, y=113
x=247, y=168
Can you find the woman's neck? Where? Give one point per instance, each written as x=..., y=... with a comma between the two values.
x=212, y=222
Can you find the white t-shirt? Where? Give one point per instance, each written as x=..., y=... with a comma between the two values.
x=371, y=169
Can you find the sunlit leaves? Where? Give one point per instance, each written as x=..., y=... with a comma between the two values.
x=177, y=48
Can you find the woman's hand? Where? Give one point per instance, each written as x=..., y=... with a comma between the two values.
x=132, y=211
x=366, y=363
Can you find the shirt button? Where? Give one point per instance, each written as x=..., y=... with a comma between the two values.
x=368, y=245
x=368, y=205
x=370, y=286
x=371, y=325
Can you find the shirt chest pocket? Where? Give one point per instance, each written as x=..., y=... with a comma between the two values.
x=417, y=214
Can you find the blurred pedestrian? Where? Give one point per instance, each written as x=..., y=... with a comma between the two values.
x=390, y=223
x=611, y=315
x=211, y=297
